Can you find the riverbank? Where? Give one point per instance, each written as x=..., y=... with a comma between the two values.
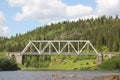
x=59, y=62
x=80, y=63
x=93, y=68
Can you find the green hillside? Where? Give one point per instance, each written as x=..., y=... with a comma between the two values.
x=103, y=32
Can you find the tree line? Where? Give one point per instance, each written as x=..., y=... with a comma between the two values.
x=103, y=32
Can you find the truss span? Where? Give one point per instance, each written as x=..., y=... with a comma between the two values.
x=57, y=47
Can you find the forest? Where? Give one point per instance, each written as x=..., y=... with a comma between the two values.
x=103, y=32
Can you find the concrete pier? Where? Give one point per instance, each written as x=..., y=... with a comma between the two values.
x=99, y=59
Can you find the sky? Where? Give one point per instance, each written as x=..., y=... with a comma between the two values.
x=20, y=16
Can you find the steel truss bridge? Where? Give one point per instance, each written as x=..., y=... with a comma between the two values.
x=59, y=47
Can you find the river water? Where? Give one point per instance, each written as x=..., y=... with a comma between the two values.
x=54, y=75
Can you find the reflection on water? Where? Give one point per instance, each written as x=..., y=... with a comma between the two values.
x=55, y=75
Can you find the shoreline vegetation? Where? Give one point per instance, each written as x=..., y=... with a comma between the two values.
x=7, y=63
x=62, y=63
x=59, y=62
x=82, y=65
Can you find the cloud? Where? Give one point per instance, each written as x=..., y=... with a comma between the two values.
x=2, y=18
x=3, y=29
x=78, y=10
x=47, y=10
x=17, y=3
x=108, y=7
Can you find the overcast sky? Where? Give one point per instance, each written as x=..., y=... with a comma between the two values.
x=20, y=16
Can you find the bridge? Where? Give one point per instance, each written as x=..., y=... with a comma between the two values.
x=59, y=47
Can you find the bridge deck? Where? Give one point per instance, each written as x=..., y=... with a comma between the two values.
x=54, y=53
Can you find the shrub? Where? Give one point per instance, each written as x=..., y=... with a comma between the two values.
x=111, y=64
x=8, y=64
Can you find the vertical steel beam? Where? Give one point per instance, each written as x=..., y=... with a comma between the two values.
x=40, y=46
x=78, y=44
x=59, y=47
x=49, y=47
x=68, y=43
x=88, y=48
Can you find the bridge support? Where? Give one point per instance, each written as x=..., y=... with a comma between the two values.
x=99, y=59
x=19, y=59
x=18, y=56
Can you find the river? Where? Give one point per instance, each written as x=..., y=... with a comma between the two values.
x=54, y=75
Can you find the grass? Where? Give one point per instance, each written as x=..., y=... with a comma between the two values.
x=71, y=65
x=79, y=63
x=76, y=63
x=3, y=54
x=67, y=63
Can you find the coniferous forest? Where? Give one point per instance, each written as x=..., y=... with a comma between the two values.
x=103, y=32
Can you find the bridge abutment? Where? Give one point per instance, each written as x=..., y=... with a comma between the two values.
x=18, y=56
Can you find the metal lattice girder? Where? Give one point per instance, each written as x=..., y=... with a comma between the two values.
x=59, y=48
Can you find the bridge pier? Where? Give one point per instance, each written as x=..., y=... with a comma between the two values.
x=99, y=59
